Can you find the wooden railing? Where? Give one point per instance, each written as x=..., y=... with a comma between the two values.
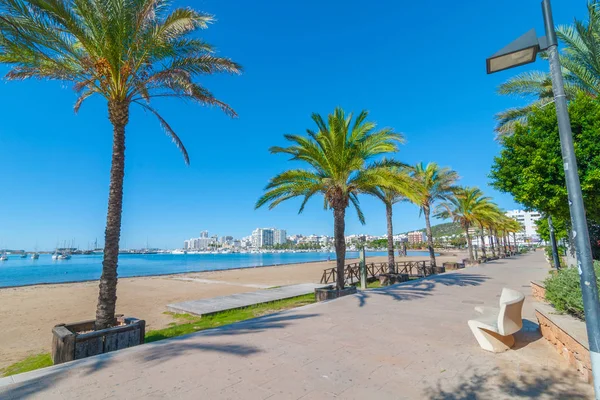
x=415, y=269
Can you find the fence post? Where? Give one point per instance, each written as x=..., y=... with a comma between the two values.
x=363, y=270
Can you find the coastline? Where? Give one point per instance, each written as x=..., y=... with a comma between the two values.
x=35, y=309
x=169, y=274
x=149, y=275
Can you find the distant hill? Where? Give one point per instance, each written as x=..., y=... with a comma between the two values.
x=445, y=229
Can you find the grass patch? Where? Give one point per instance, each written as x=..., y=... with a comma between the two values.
x=370, y=285
x=29, y=364
x=192, y=323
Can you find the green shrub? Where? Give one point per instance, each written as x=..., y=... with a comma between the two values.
x=564, y=291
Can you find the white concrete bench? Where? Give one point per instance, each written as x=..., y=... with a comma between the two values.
x=495, y=328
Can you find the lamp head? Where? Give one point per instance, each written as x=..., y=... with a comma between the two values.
x=520, y=52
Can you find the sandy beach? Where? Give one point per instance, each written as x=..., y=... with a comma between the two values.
x=28, y=313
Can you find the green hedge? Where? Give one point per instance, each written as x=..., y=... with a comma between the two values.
x=564, y=292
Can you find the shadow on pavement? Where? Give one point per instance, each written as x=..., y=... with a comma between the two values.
x=422, y=287
x=539, y=383
x=152, y=353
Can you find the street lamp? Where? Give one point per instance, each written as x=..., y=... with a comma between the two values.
x=523, y=51
x=520, y=52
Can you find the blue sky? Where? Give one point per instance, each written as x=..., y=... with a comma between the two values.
x=417, y=66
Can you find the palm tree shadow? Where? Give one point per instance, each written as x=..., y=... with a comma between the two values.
x=154, y=353
x=414, y=290
x=495, y=384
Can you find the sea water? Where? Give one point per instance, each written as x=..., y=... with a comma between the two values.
x=25, y=271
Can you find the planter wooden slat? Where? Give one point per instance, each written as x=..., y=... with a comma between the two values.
x=88, y=347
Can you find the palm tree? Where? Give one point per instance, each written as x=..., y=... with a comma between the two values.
x=580, y=66
x=464, y=208
x=127, y=51
x=432, y=183
x=486, y=219
x=338, y=156
x=402, y=191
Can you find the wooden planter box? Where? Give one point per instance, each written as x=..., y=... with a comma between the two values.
x=79, y=340
x=470, y=263
x=330, y=293
x=451, y=266
x=390, y=279
x=439, y=270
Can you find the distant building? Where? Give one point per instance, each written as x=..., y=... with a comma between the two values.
x=527, y=220
x=416, y=237
x=226, y=239
x=279, y=236
x=202, y=243
x=262, y=237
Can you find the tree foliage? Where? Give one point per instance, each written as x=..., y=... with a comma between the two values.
x=530, y=164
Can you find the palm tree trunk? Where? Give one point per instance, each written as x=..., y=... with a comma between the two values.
x=469, y=244
x=482, y=236
x=390, y=239
x=515, y=241
x=107, y=297
x=426, y=212
x=339, y=226
x=491, y=237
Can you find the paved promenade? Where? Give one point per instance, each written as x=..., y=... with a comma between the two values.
x=409, y=341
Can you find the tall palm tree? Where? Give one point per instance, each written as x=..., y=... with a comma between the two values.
x=464, y=207
x=432, y=184
x=580, y=62
x=402, y=191
x=126, y=51
x=337, y=155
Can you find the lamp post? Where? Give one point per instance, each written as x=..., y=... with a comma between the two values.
x=523, y=51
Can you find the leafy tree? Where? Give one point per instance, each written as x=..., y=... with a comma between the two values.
x=126, y=51
x=432, y=184
x=530, y=163
x=338, y=155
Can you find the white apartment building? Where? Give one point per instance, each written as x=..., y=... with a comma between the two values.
x=266, y=237
x=262, y=237
x=527, y=219
x=279, y=236
x=201, y=243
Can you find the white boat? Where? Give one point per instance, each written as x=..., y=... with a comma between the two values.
x=4, y=257
x=64, y=256
x=35, y=256
x=24, y=255
x=179, y=252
